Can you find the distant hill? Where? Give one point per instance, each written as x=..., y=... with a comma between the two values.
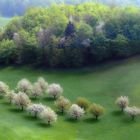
x=4, y=21
x=10, y=8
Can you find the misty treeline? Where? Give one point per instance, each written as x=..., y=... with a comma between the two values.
x=71, y=36
x=10, y=8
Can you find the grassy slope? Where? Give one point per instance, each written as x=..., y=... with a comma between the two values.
x=4, y=21
x=101, y=84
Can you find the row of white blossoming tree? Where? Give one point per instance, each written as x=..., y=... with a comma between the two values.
x=25, y=91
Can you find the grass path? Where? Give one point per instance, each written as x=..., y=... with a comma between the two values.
x=101, y=84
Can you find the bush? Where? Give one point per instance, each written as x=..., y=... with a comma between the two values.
x=35, y=109
x=21, y=100
x=83, y=103
x=122, y=102
x=10, y=96
x=24, y=85
x=62, y=104
x=54, y=90
x=43, y=84
x=96, y=110
x=8, y=52
x=3, y=88
x=36, y=90
x=132, y=112
x=76, y=112
x=48, y=116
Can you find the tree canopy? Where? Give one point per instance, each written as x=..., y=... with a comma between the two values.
x=10, y=8
x=71, y=35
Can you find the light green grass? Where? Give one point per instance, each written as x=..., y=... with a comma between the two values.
x=101, y=85
x=4, y=21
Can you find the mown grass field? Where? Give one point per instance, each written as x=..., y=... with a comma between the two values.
x=101, y=84
x=4, y=21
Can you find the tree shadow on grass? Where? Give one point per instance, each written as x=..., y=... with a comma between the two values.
x=30, y=118
x=91, y=120
x=15, y=110
x=128, y=120
x=6, y=103
x=44, y=125
x=48, y=99
x=60, y=113
x=34, y=99
x=70, y=120
x=117, y=113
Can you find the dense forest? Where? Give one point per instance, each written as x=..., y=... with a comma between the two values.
x=10, y=8
x=71, y=36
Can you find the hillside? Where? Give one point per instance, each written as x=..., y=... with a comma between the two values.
x=101, y=85
x=18, y=7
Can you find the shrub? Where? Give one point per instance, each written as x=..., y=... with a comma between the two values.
x=55, y=90
x=83, y=103
x=3, y=88
x=122, y=102
x=36, y=90
x=10, y=96
x=43, y=84
x=48, y=116
x=24, y=85
x=62, y=104
x=7, y=52
x=35, y=109
x=21, y=100
x=96, y=110
x=132, y=112
x=76, y=112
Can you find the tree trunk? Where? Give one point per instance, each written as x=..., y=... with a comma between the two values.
x=54, y=97
x=22, y=108
x=35, y=115
x=133, y=118
x=96, y=117
x=62, y=110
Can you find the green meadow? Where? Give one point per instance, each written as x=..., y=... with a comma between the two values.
x=101, y=84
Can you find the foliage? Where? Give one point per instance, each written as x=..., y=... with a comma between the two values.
x=132, y=111
x=21, y=100
x=76, y=112
x=10, y=95
x=71, y=36
x=54, y=90
x=36, y=90
x=122, y=102
x=43, y=84
x=35, y=109
x=3, y=88
x=24, y=85
x=48, y=116
x=62, y=104
x=96, y=110
x=83, y=103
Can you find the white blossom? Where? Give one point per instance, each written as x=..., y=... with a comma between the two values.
x=3, y=88
x=122, y=102
x=55, y=90
x=132, y=111
x=76, y=112
x=43, y=84
x=35, y=109
x=48, y=116
x=10, y=95
x=36, y=90
x=21, y=100
x=24, y=85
